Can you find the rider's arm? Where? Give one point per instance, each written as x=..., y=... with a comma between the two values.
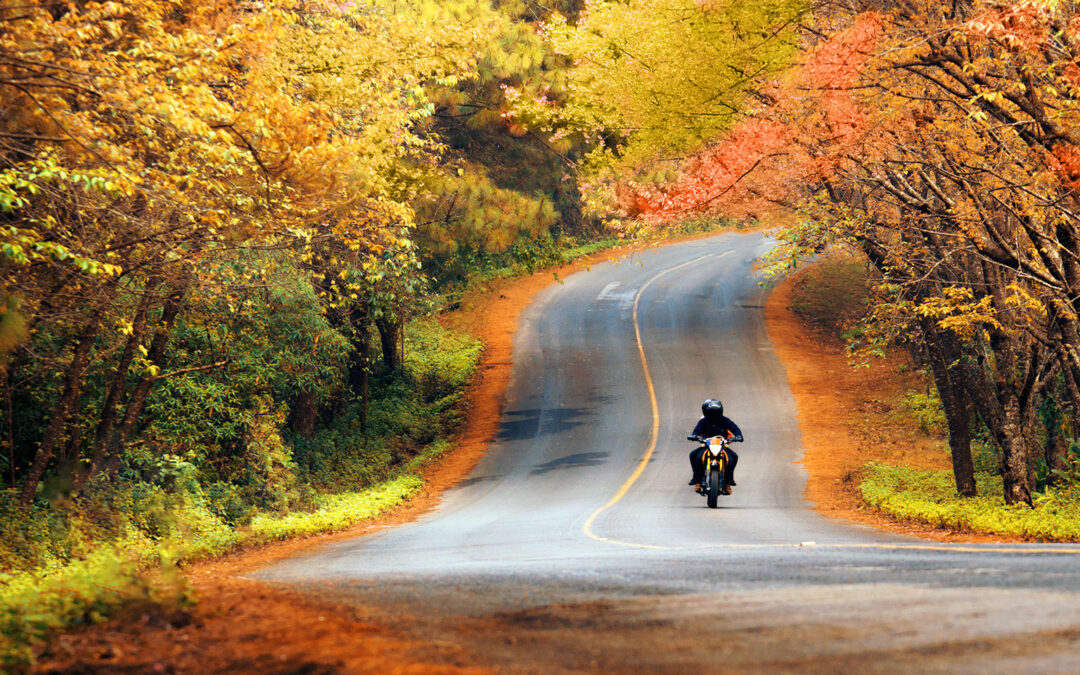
x=733, y=429
x=699, y=429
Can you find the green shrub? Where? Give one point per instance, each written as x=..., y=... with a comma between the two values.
x=341, y=457
x=32, y=606
x=440, y=362
x=1068, y=475
x=930, y=497
x=409, y=410
x=927, y=410
x=227, y=502
x=984, y=456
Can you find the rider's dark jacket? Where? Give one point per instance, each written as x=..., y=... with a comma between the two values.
x=723, y=427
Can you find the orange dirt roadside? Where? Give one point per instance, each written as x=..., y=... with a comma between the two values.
x=850, y=416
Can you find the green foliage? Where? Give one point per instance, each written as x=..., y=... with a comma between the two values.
x=84, y=592
x=341, y=456
x=34, y=604
x=1068, y=474
x=984, y=456
x=72, y=564
x=437, y=361
x=408, y=411
x=930, y=497
x=227, y=421
x=926, y=408
x=654, y=78
x=234, y=476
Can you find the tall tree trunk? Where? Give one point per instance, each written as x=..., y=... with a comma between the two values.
x=949, y=365
x=960, y=447
x=304, y=413
x=63, y=409
x=388, y=336
x=137, y=401
x=116, y=387
x=1016, y=365
x=1014, y=470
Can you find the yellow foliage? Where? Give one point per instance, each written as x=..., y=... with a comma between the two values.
x=957, y=310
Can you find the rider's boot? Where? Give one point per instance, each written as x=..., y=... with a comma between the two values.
x=726, y=490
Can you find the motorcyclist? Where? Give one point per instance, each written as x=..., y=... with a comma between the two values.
x=713, y=423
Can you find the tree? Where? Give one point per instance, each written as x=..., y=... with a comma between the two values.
x=653, y=80
x=160, y=142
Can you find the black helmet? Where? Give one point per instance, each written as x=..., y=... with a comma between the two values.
x=712, y=409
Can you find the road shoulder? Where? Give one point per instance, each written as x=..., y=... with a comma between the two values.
x=848, y=417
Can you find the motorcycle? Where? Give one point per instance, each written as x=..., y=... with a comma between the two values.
x=714, y=459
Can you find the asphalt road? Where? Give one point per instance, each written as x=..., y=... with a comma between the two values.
x=576, y=546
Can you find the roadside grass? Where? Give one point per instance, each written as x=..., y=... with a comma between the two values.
x=335, y=512
x=929, y=496
x=87, y=591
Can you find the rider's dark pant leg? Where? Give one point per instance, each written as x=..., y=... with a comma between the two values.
x=733, y=459
x=696, y=464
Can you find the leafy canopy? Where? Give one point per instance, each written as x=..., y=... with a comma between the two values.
x=652, y=79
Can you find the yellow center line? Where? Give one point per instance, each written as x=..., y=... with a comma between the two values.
x=654, y=432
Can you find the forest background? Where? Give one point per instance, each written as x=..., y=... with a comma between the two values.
x=228, y=229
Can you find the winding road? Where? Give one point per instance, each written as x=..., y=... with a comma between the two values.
x=576, y=546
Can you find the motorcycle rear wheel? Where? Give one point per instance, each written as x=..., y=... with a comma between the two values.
x=714, y=486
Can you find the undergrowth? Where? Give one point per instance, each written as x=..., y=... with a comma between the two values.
x=138, y=568
x=929, y=496
x=68, y=563
x=832, y=294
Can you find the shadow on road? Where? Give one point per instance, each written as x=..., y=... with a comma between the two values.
x=520, y=425
x=581, y=459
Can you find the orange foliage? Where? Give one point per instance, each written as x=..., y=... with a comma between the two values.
x=1065, y=162
x=797, y=138
x=1019, y=26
